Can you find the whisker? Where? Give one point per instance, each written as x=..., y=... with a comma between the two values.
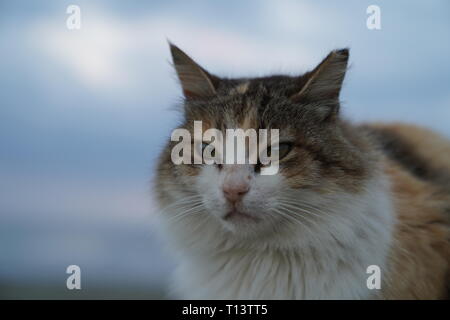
x=295, y=221
x=299, y=214
x=305, y=210
x=182, y=201
x=303, y=205
x=298, y=201
x=187, y=212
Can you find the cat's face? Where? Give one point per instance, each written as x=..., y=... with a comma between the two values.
x=316, y=156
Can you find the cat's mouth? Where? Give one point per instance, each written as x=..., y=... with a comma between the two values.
x=237, y=215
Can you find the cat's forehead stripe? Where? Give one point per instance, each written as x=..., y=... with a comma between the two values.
x=241, y=88
x=250, y=118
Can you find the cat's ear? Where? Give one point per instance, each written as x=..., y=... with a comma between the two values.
x=325, y=81
x=195, y=81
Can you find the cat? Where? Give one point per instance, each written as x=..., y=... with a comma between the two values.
x=347, y=198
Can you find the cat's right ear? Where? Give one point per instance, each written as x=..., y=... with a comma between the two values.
x=195, y=81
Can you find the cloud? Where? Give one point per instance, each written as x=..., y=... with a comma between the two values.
x=110, y=54
x=93, y=54
x=61, y=200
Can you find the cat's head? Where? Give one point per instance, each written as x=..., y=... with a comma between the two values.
x=318, y=155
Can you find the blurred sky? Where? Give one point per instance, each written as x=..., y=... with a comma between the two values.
x=84, y=113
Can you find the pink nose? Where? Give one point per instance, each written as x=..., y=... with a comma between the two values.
x=234, y=193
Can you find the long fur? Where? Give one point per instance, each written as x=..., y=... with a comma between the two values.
x=346, y=197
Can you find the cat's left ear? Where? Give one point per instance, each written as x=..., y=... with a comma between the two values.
x=325, y=81
x=195, y=81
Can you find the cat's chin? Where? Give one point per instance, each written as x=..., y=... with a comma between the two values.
x=238, y=216
x=241, y=222
x=245, y=225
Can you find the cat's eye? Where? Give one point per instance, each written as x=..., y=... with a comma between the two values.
x=283, y=149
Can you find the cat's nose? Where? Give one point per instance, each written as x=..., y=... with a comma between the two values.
x=235, y=192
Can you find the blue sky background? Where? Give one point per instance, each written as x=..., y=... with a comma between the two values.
x=84, y=113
